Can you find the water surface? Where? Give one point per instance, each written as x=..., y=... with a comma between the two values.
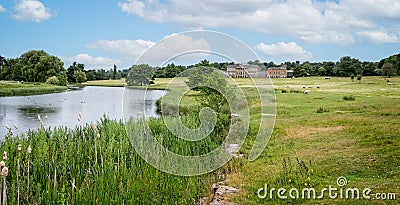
x=61, y=109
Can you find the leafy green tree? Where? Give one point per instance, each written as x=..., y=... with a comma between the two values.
x=204, y=63
x=369, y=68
x=302, y=70
x=329, y=66
x=352, y=77
x=213, y=92
x=388, y=70
x=91, y=75
x=359, y=77
x=322, y=71
x=3, y=63
x=140, y=75
x=80, y=76
x=347, y=66
x=36, y=66
x=53, y=80
x=394, y=60
x=72, y=69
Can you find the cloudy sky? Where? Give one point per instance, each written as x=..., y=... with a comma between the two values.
x=100, y=33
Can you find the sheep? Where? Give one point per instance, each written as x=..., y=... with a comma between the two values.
x=307, y=92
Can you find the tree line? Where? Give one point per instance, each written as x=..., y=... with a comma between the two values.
x=345, y=67
x=39, y=66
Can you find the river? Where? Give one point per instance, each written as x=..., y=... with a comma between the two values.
x=61, y=109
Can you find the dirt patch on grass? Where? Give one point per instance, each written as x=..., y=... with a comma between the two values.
x=309, y=132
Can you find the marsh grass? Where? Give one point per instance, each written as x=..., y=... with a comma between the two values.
x=98, y=164
x=10, y=88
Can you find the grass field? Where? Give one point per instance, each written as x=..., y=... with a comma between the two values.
x=11, y=88
x=107, y=83
x=357, y=139
x=341, y=128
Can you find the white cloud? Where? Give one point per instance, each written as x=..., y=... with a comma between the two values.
x=32, y=10
x=2, y=9
x=283, y=52
x=171, y=46
x=92, y=62
x=327, y=37
x=128, y=49
x=183, y=47
x=379, y=37
x=329, y=21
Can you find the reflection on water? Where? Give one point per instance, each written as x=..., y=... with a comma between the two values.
x=61, y=109
x=32, y=111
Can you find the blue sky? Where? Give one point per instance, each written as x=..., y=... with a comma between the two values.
x=101, y=33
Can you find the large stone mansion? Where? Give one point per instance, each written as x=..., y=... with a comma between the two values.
x=255, y=71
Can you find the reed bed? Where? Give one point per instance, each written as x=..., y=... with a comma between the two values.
x=97, y=164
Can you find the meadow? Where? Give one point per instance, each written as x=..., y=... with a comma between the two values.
x=11, y=88
x=341, y=128
x=106, y=83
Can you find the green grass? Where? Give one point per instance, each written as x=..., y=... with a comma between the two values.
x=357, y=139
x=11, y=88
x=317, y=138
x=107, y=83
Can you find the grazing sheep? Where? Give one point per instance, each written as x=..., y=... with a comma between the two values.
x=307, y=92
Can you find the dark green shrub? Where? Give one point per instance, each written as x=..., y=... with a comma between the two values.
x=349, y=98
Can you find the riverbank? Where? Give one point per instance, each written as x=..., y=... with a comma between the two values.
x=12, y=88
x=106, y=83
x=159, y=84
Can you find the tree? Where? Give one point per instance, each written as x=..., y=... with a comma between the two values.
x=72, y=69
x=352, y=77
x=214, y=92
x=90, y=75
x=205, y=63
x=115, y=72
x=140, y=75
x=302, y=70
x=394, y=60
x=36, y=66
x=347, y=66
x=359, y=77
x=80, y=76
x=388, y=70
x=369, y=68
x=53, y=80
x=322, y=71
x=329, y=66
x=3, y=63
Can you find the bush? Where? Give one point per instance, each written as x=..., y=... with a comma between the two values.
x=349, y=98
x=322, y=110
x=53, y=80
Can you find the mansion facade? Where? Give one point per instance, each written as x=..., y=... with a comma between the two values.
x=255, y=71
